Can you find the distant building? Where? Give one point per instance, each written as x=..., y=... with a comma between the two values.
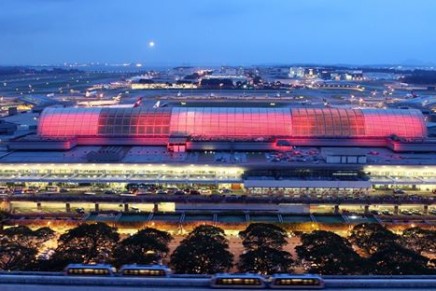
x=7, y=128
x=325, y=75
x=353, y=76
x=13, y=110
x=296, y=72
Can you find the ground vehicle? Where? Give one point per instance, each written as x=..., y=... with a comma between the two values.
x=143, y=192
x=205, y=191
x=132, y=187
x=125, y=270
x=127, y=194
x=89, y=193
x=386, y=212
x=289, y=281
x=30, y=191
x=89, y=270
x=398, y=191
x=135, y=209
x=19, y=190
x=145, y=270
x=222, y=280
x=80, y=210
x=52, y=189
x=172, y=190
x=226, y=191
x=245, y=281
x=110, y=192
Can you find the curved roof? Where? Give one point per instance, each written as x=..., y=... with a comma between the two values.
x=231, y=122
x=339, y=122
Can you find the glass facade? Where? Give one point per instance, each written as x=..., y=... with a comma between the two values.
x=402, y=123
x=214, y=122
x=134, y=122
x=61, y=122
x=231, y=122
x=327, y=122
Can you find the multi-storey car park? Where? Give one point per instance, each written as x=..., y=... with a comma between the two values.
x=295, y=154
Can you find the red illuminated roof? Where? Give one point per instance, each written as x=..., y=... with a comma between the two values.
x=233, y=123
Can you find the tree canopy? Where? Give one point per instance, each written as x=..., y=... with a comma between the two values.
x=372, y=237
x=396, y=260
x=19, y=246
x=3, y=217
x=419, y=240
x=258, y=235
x=204, y=251
x=327, y=253
x=266, y=260
x=264, y=249
x=147, y=246
x=86, y=243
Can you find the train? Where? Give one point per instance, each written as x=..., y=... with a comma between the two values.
x=276, y=281
x=132, y=270
x=219, y=281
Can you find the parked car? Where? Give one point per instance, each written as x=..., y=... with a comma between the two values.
x=110, y=192
x=80, y=210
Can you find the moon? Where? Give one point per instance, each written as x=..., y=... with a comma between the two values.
x=151, y=44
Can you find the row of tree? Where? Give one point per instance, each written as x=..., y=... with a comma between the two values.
x=370, y=249
x=383, y=252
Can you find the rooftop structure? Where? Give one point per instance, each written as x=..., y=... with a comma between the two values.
x=216, y=123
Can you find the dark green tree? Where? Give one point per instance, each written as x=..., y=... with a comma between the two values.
x=258, y=235
x=27, y=237
x=14, y=256
x=147, y=246
x=327, y=253
x=372, y=237
x=4, y=216
x=204, y=251
x=19, y=246
x=396, y=260
x=265, y=260
x=419, y=240
x=86, y=243
x=264, y=249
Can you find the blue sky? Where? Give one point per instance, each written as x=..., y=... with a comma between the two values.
x=217, y=32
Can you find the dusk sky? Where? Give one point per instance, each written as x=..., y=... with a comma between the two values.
x=217, y=32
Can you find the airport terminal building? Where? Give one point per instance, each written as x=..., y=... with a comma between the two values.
x=227, y=128
x=254, y=148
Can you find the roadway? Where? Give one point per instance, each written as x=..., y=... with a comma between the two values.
x=165, y=288
x=232, y=198
x=49, y=283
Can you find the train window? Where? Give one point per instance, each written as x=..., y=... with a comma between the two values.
x=144, y=272
x=314, y=282
x=238, y=281
x=87, y=271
